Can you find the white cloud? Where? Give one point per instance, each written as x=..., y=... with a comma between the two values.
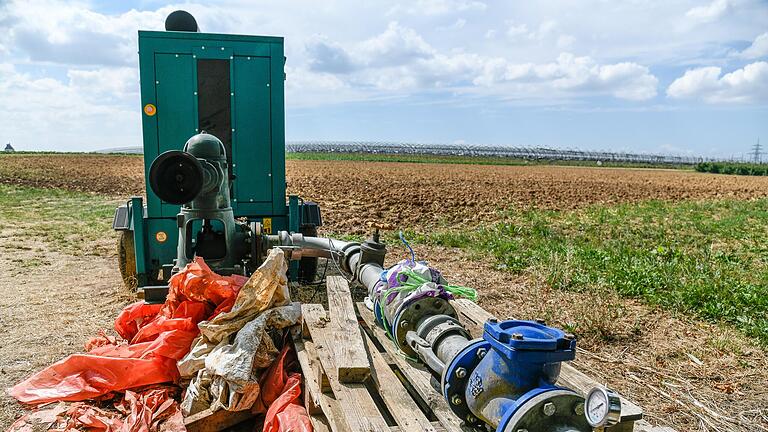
x=457, y=25
x=396, y=45
x=48, y=31
x=565, y=41
x=306, y=88
x=745, y=85
x=516, y=30
x=758, y=49
x=117, y=84
x=95, y=109
x=327, y=56
x=400, y=60
x=438, y=7
x=710, y=12
x=544, y=30
x=70, y=33
x=572, y=74
x=628, y=81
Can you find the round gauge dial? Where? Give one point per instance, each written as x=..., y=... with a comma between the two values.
x=602, y=407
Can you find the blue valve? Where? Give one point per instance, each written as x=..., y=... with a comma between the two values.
x=507, y=379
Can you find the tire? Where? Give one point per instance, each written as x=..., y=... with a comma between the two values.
x=126, y=260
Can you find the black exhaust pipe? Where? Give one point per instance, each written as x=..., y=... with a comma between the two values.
x=181, y=20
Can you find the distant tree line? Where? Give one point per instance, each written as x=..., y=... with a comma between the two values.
x=738, y=168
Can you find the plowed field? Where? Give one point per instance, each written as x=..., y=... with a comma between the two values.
x=353, y=194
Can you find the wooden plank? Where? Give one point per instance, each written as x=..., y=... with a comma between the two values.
x=214, y=421
x=350, y=357
x=328, y=404
x=320, y=424
x=331, y=407
x=436, y=426
x=473, y=317
x=312, y=391
x=416, y=375
x=358, y=410
x=406, y=413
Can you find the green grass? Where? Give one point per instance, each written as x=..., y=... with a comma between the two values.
x=708, y=259
x=75, y=223
x=467, y=160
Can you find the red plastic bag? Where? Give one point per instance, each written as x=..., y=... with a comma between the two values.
x=285, y=414
x=133, y=317
x=146, y=410
x=280, y=391
x=158, y=336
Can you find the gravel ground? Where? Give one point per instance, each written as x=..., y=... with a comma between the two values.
x=51, y=309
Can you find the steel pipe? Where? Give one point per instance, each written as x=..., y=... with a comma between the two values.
x=505, y=380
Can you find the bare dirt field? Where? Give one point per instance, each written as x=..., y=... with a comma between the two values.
x=415, y=195
x=425, y=195
x=678, y=369
x=51, y=303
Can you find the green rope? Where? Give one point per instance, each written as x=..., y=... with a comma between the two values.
x=455, y=290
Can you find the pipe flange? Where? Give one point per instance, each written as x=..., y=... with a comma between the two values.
x=546, y=409
x=454, y=382
x=380, y=318
x=413, y=314
x=445, y=328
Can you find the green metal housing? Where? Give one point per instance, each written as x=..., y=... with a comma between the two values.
x=231, y=86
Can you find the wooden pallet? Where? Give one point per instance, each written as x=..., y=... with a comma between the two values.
x=397, y=394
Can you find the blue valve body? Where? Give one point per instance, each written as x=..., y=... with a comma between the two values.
x=513, y=362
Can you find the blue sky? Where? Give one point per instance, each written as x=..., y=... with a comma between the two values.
x=668, y=76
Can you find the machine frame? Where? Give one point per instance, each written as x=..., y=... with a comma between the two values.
x=172, y=86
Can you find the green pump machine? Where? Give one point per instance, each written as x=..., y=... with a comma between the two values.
x=213, y=121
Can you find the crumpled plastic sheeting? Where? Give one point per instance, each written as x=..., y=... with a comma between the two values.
x=153, y=409
x=231, y=365
x=197, y=397
x=267, y=287
x=40, y=419
x=235, y=367
x=280, y=398
x=158, y=335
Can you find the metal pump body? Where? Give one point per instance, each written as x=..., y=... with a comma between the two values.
x=233, y=87
x=197, y=179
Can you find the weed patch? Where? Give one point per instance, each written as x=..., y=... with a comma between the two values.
x=704, y=258
x=75, y=223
